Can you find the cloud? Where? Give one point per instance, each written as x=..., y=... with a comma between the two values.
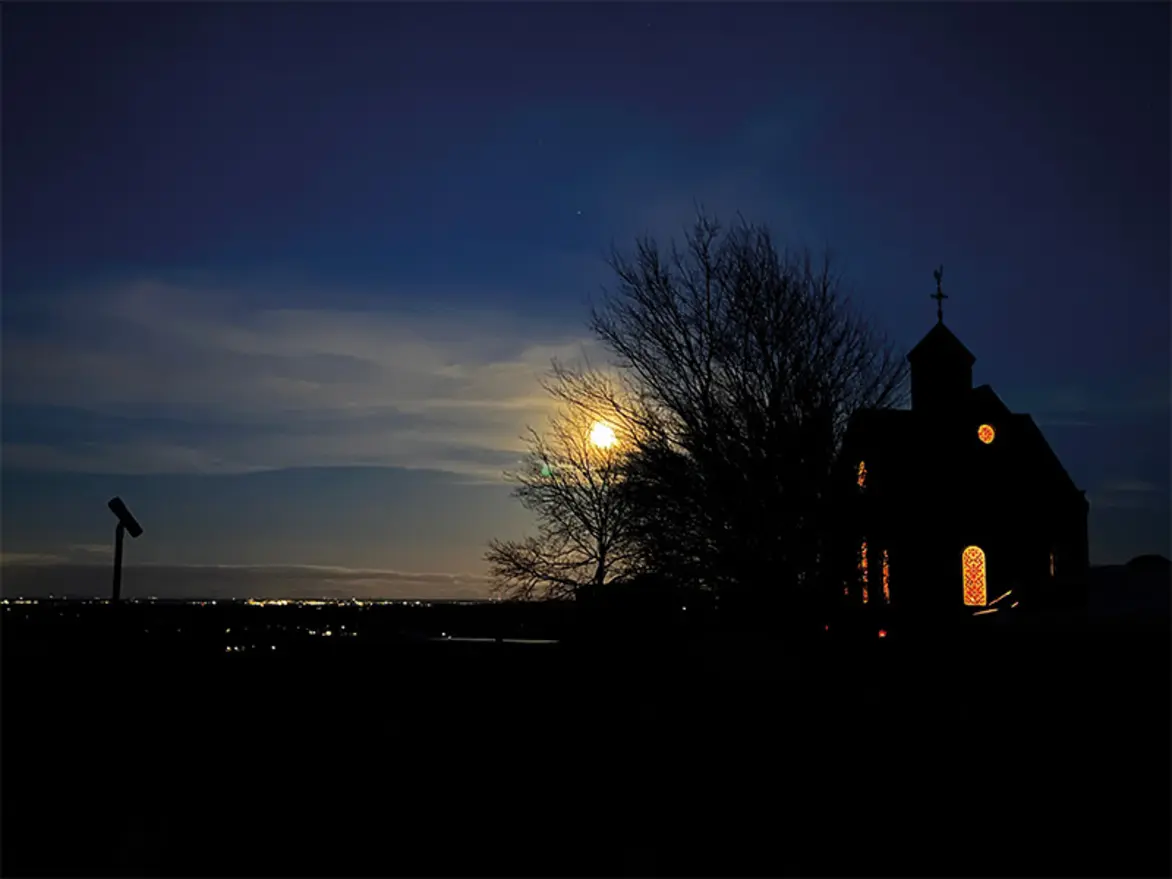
x=41, y=576
x=84, y=550
x=29, y=558
x=1129, y=494
x=202, y=381
x=1086, y=406
x=666, y=208
x=1059, y=421
x=1130, y=486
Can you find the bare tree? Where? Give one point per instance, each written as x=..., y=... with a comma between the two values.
x=572, y=478
x=741, y=366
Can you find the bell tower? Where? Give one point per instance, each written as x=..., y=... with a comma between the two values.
x=941, y=366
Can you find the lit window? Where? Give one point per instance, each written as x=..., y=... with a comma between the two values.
x=863, y=569
x=886, y=579
x=985, y=433
x=973, y=568
x=862, y=474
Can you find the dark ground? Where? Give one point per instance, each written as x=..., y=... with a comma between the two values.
x=1023, y=753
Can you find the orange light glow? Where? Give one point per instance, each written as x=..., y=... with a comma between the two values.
x=886, y=579
x=882, y=633
x=863, y=569
x=987, y=610
x=999, y=597
x=985, y=433
x=973, y=568
x=862, y=474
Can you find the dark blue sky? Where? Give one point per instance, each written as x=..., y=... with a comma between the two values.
x=286, y=237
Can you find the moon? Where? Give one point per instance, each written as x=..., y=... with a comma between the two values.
x=602, y=435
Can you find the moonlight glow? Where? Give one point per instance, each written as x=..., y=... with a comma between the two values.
x=602, y=435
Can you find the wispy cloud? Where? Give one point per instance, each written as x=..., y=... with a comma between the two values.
x=30, y=558
x=38, y=577
x=207, y=381
x=1130, y=486
x=1086, y=406
x=1060, y=421
x=89, y=550
x=1129, y=494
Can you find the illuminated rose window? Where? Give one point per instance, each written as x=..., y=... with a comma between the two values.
x=985, y=433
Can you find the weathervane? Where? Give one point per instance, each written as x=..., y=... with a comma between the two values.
x=939, y=294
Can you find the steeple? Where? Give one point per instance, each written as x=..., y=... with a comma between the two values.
x=941, y=366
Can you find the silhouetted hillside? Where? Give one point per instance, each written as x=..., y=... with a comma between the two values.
x=428, y=755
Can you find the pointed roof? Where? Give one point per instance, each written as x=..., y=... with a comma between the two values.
x=940, y=344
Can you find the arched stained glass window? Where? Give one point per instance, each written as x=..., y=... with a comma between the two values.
x=863, y=569
x=973, y=568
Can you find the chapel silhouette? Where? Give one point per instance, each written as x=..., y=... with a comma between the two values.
x=956, y=505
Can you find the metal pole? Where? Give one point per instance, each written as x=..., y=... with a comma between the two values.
x=118, y=532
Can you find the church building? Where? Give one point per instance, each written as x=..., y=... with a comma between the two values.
x=956, y=505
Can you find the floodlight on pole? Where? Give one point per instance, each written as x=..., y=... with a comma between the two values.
x=126, y=522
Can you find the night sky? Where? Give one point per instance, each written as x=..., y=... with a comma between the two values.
x=284, y=276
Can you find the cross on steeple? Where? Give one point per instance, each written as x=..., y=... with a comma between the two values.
x=939, y=294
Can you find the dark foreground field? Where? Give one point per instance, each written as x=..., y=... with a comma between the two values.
x=1040, y=755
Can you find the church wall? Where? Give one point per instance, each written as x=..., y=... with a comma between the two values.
x=932, y=489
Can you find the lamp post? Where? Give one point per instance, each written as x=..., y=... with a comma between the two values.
x=119, y=532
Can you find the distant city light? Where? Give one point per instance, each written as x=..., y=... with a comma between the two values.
x=882, y=633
